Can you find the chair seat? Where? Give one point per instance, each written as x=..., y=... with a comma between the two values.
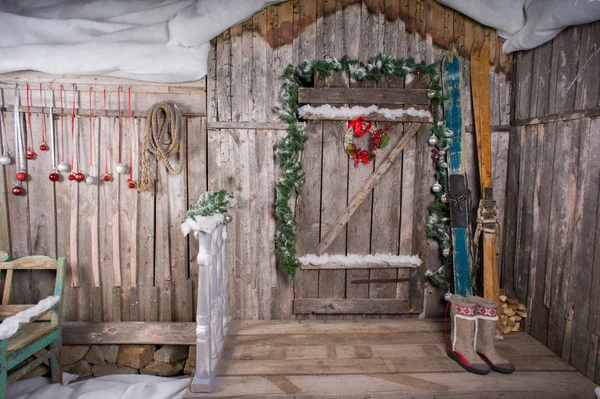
x=29, y=333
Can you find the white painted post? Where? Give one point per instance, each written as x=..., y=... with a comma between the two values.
x=203, y=377
x=212, y=315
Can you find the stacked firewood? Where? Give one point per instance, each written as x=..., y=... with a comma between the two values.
x=512, y=313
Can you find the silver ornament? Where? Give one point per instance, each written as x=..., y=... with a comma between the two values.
x=121, y=169
x=91, y=180
x=432, y=140
x=436, y=188
x=5, y=160
x=447, y=296
x=63, y=167
x=444, y=198
x=430, y=93
x=446, y=252
x=227, y=218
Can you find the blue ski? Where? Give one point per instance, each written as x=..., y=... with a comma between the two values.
x=458, y=188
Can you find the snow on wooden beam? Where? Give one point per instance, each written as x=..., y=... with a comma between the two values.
x=377, y=261
x=335, y=95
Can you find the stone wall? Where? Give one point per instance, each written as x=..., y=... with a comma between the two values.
x=98, y=360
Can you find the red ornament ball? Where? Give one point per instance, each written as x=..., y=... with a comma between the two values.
x=106, y=177
x=54, y=176
x=79, y=177
x=418, y=72
x=17, y=190
x=30, y=156
x=130, y=183
x=44, y=147
x=21, y=176
x=71, y=176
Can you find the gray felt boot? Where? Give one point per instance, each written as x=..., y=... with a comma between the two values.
x=485, y=335
x=460, y=348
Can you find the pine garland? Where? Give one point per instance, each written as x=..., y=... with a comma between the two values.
x=289, y=149
x=210, y=203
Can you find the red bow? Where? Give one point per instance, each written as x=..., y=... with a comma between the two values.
x=361, y=156
x=435, y=156
x=360, y=126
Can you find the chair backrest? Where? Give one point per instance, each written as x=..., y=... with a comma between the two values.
x=31, y=263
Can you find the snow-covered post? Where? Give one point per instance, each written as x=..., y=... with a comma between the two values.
x=207, y=219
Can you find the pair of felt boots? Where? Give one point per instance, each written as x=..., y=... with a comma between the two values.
x=473, y=333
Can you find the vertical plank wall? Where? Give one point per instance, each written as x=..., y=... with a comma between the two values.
x=127, y=259
x=552, y=253
x=130, y=259
x=243, y=87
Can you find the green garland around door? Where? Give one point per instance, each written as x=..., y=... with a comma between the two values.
x=289, y=149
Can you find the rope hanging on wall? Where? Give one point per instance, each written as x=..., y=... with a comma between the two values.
x=164, y=137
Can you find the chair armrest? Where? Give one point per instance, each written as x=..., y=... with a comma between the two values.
x=10, y=325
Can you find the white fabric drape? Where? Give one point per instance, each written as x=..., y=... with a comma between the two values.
x=150, y=40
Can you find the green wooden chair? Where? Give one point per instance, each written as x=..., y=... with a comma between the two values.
x=42, y=335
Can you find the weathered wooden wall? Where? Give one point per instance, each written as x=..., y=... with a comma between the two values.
x=552, y=252
x=243, y=86
x=231, y=133
x=126, y=255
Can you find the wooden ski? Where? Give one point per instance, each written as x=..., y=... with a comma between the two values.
x=488, y=210
x=458, y=189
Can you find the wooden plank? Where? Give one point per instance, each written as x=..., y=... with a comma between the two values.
x=373, y=117
x=353, y=95
x=561, y=229
x=82, y=333
x=259, y=126
x=351, y=306
x=587, y=92
x=582, y=256
x=359, y=226
x=306, y=284
x=10, y=310
x=566, y=48
x=541, y=227
x=540, y=88
x=553, y=118
x=365, y=265
x=510, y=227
x=366, y=189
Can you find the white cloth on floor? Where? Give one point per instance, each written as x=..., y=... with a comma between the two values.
x=150, y=40
x=132, y=386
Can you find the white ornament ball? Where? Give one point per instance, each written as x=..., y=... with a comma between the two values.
x=446, y=252
x=447, y=296
x=91, y=180
x=5, y=160
x=227, y=218
x=121, y=169
x=436, y=188
x=63, y=167
x=430, y=93
x=432, y=140
x=444, y=198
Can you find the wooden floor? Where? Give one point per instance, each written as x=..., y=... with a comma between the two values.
x=378, y=359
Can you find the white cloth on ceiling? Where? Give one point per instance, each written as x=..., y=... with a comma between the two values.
x=150, y=40
x=526, y=24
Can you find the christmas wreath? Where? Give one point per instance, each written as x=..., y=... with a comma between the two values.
x=289, y=149
x=380, y=138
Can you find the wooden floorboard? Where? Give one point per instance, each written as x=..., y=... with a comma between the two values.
x=378, y=359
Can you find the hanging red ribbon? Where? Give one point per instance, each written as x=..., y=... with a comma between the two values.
x=105, y=136
x=73, y=150
x=62, y=126
x=360, y=126
x=30, y=153
x=43, y=118
x=119, y=122
x=91, y=134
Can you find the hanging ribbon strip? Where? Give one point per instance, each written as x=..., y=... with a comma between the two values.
x=43, y=145
x=3, y=134
x=119, y=122
x=30, y=153
x=19, y=140
x=91, y=135
x=106, y=174
x=74, y=148
x=62, y=126
x=53, y=134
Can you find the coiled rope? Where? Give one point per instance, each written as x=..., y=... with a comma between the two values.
x=164, y=137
